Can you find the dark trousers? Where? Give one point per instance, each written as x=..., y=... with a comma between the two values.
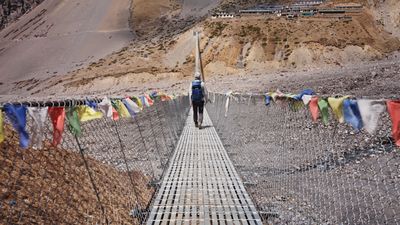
x=198, y=108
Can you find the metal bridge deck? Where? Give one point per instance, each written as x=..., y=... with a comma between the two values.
x=201, y=185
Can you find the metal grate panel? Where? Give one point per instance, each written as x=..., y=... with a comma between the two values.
x=201, y=185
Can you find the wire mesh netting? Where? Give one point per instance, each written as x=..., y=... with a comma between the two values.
x=108, y=175
x=301, y=172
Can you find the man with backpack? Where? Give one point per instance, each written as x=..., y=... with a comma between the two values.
x=198, y=97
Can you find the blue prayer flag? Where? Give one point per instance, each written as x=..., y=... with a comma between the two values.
x=305, y=92
x=268, y=100
x=91, y=104
x=129, y=107
x=17, y=116
x=352, y=114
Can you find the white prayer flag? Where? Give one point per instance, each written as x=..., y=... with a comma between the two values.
x=370, y=111
x=39, y=116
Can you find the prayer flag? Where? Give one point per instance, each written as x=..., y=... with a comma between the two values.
x=106, y=108
x=323, y=108
x=370, y=111
x=279, y=93
x=132, y=107
x=291, y=96
x=337, y=107
x=267, y=100
x=85, y=113
x=73, y=120
x=154, y=95
x=352, y=114
x=314, y=108
x=273, y=95
x=165, y=97
x=143, y=100
x=394, y=111
x=39, y=116
x=57, y=116
x=122, y=110
x=276, y=95
x=305, y=92
x=91, y=104
x=138, y=102
x=115, y=111
x=115, y=115
x=306, y=99
x=17, y=116
x=150, y=102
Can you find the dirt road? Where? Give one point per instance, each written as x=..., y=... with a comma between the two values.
x=59, y=36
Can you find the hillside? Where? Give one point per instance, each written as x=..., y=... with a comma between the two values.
x=11, y=10
x=59, y=36
x=162, y=55
x=53, y=187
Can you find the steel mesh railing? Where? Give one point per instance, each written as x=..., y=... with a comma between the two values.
x=108, y=175
x=301, y=172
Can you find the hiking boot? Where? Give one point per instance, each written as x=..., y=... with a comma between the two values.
x=196, y=125
x=200, y=127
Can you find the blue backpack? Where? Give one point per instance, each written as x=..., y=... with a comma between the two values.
x=197, y=92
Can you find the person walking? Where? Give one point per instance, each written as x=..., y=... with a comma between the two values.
x=198, y=97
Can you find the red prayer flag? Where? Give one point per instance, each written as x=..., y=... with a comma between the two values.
x=314, y=108
x=394, y=111
x=149, y=100
x=57, y=116
x=115, y=114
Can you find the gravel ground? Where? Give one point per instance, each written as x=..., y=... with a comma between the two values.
x=371, y=79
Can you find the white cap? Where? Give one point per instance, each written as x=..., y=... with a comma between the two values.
x=197, y=75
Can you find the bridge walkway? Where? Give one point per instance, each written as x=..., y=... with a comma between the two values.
x=201, y=186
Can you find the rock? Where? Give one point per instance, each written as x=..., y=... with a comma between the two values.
x=13, y=9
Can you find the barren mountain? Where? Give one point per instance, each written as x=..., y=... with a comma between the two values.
x=59, y=36
x=162, y=55
x=11, y=10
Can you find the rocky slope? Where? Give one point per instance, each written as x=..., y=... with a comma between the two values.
x=162, y=56
x=387, y=13
x=52, y=186
x=11, y=10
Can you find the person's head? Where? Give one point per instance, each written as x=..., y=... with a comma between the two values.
x=197, y=76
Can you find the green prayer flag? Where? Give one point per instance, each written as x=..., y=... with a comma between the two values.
x=114, y=105
x=324, y=109
x=73, y=121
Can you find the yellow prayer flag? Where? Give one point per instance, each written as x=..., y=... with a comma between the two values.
x=337, y=107
x=138, y=102
x=122, y=110
x=1, y=127
x=273, y=95
x=85, y=113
